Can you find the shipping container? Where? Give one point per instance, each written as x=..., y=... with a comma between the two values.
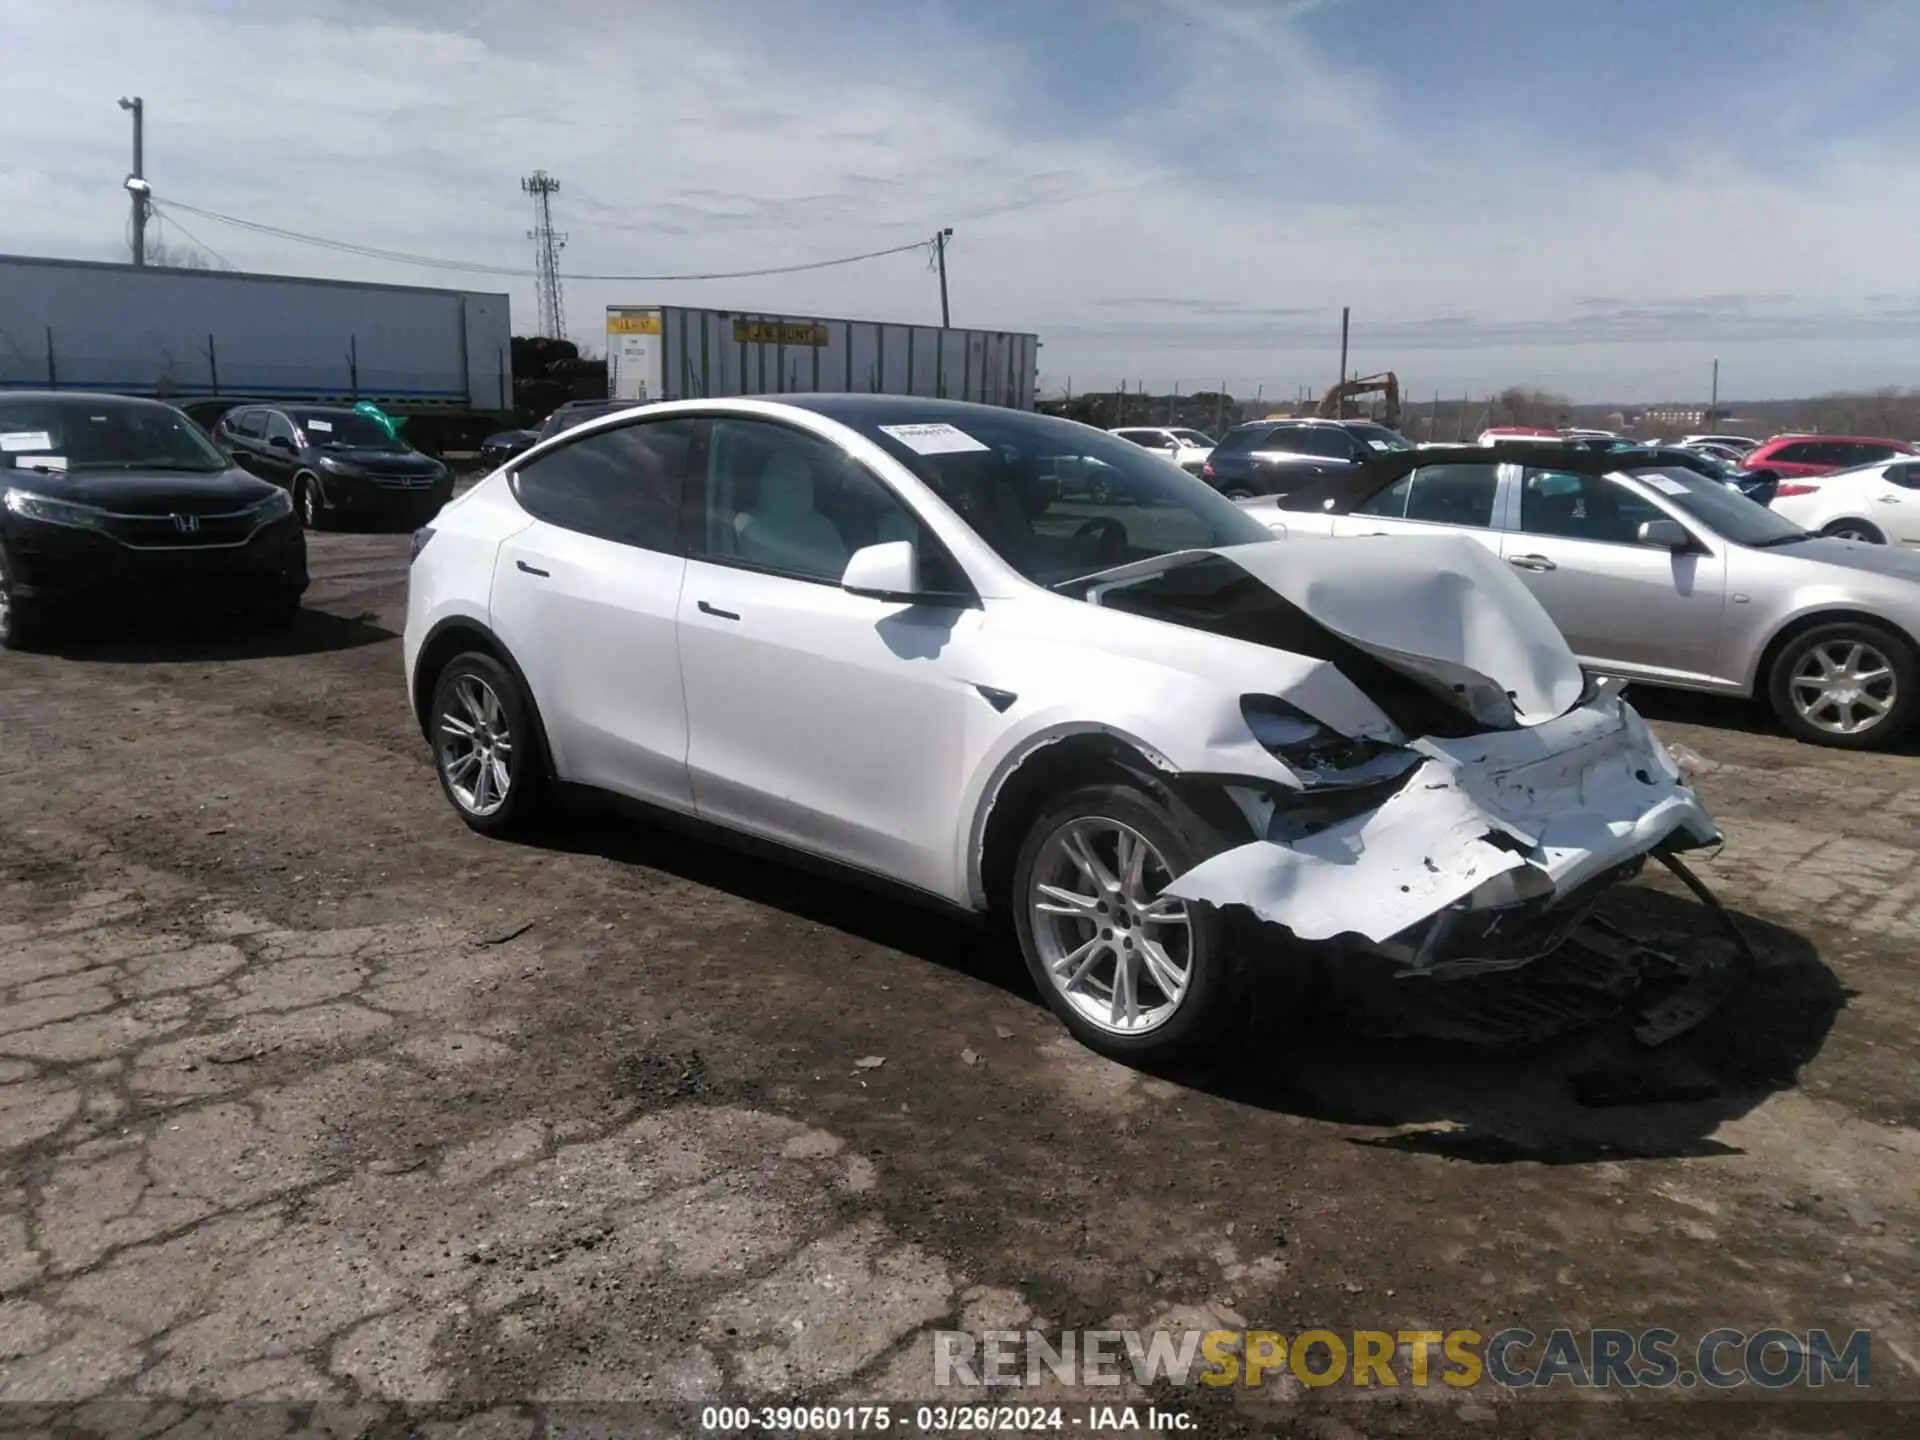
x=669, y=352
x=177, y=334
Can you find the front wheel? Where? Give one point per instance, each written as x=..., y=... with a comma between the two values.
x=19, y=620
x=306, y=500
x=484, y=749
x=1137, y=976
x=1846, y=685
x=1239, y=492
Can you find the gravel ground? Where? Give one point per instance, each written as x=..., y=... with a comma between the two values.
x=309, y=1095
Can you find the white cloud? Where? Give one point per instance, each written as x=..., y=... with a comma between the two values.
x=703, y=137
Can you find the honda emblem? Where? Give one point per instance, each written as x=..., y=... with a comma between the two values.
x=186, y=524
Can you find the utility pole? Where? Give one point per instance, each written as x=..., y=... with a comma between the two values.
x=1339, y=394
x=940, y=239
x=137, y=181
x=546, y=252
x=1713, y=406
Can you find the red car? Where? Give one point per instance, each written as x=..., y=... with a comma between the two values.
x=1786, y=457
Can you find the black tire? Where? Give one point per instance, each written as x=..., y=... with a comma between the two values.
x=1211, y=1013
x=21, y=624
x=307, y=504
x=1859, y=530
x=1239, y=492
x=1800, y=650
x=280, y=610
x=523, y=759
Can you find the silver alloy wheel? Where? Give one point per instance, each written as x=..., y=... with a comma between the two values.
x=1120, y=956
x=6, y=611
x=309, y=504
x=476, y=747
x=1844, y=687
x=1851, y=530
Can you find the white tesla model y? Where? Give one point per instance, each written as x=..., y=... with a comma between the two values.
x=1031, y=670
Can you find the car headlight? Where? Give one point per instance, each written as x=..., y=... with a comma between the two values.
x=29, y=506
x=277, y=506
x=1321, y=757
x=334, y=465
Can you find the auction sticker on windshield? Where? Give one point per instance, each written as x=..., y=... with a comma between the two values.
x=1665, y=485
x=14, y=441
x=941, y=439
x=324, y=427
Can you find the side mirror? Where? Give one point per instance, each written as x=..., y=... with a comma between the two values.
x=280, y=442
x=888, y=571
x=1665, y=535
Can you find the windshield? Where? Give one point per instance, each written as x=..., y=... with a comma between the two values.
x=1381, y=438
x=343, y=430
x=55, y=433
x=1057, y=500
x=1726, y=512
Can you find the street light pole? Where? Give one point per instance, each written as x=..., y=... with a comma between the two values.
x=940, y=251
x=137, y=181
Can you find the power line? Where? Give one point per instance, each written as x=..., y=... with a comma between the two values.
x=174, y=221
x=468, y=267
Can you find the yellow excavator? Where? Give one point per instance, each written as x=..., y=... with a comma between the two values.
x=1339, y=401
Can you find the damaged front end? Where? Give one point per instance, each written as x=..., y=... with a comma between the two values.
x=1477, y=839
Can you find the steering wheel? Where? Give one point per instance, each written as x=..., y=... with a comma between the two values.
x=1109, y=537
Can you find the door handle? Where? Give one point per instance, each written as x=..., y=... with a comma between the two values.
x=706, y=609
x=1531, y=562
x=1889, y=499
x=532, y=570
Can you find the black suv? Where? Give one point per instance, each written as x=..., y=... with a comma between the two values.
x=1277, y=457
x=335, y=461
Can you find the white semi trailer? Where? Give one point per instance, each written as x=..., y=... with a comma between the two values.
x=442, y=358
x=673, y=352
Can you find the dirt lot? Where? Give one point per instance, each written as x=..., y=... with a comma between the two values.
x=307, y=1094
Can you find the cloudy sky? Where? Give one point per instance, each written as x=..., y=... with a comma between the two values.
x=1598, y=198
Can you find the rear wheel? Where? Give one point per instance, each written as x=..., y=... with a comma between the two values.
x=1239, y=492
x=1855, y=530
x=484, y=749
x=1848, y=685
x=1138, y=976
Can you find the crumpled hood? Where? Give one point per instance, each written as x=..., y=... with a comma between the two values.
x=1442, y=607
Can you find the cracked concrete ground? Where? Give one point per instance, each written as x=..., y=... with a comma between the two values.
x=309, y=1095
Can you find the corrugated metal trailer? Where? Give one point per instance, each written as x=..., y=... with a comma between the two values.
x=671, y=352
x=152, y=330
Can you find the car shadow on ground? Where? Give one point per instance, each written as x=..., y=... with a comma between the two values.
x=159, y=638
x=1593, y=1093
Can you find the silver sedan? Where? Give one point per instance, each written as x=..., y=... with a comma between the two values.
x=1667, y=578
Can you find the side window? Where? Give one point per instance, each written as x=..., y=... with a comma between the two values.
x=1439, y=495
x=1291, y=439
x=1799, y=453
x=1144, y=439
x=1906, y=476
x=1327, y=442
x=279, y=427
x=782, y=500
x=623, y=485
x=253, y=423
x=1583, y=507
x=1867, y=454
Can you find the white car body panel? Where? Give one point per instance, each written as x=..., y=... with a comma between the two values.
x=1185, y=454
x=880, y=734
x=1864, y=494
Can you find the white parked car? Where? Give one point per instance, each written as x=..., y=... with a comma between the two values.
x=1739, y=444
x=1877, y=503
x=1188, y=449
x=1168, y=750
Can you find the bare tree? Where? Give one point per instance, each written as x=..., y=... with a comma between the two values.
x=177, y=257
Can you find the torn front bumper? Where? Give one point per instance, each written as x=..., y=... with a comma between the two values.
x=1512, y=821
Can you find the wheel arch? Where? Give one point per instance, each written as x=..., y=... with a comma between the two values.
x=456, y=635
x=1758, y=681
x=1052, y=764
